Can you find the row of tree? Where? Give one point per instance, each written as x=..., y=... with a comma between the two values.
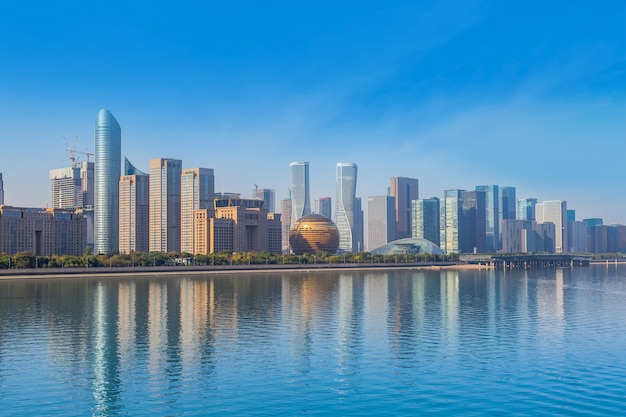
x=88, y=260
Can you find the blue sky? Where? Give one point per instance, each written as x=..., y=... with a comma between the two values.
x=457, y=93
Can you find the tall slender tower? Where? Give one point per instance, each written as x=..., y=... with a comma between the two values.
x=405, y=190
x=299, y=187
x=108, y=167
x=344, y=206
x=197, y=190
x=1, y=191
x=492, y=216
x=165, y=205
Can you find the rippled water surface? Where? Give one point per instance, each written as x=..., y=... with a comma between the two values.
x=480, y=342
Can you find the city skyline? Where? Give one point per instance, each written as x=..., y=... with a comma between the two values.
x=452, y=94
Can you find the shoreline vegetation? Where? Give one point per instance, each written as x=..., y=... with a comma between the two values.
x=26, y=265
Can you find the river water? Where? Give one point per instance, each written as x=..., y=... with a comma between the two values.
x=447, y=342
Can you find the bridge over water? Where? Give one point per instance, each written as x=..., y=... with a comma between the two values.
x=529, y=261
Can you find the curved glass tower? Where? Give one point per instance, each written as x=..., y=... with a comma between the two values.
x=299, y=186
x=107, y=169
x=344, y=207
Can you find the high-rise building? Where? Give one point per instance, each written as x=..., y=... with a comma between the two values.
x=134, y=213
x=577, y=236
x=72, y=187
x=344, y=206
x=450, y=215
x=381, y=221
x=268, y=195
x=571, y=215
x=165, y=181
x=107, y=170
x=508, y=204
x=526, y=208
x=1, y=191
x=405, y=190
x=197, y=190
x=299, y=188
x=285, y=210
x=472, y=233
x=359, y=226
x=555, y=212
x=249, y=222
x=425, y=219
x=323, y=207
x=492, y=215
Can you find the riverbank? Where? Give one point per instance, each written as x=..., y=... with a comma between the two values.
x=34, y=273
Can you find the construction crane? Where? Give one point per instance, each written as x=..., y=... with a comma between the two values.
x=73, y=151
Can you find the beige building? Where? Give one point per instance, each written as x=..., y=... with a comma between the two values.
x=197, y=190
x=238, y=225
x=43, y=232
x=134, y=212
x=165, y=181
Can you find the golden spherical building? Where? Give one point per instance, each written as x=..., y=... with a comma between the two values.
x=314, y=233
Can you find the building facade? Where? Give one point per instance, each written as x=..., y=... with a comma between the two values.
x=42, y=232
x=107, y=171
x=134, y=213
x=492, y=216
x=165, y=205
x=1, y=190
x=72, y=187
x=286, y=210
x=299, y=188
x=324, y=207
x=346, y=176
x=249, y=224
x=268, y=195
x=381, y=221
x=197, y=191
x=405, y=190
x=554, y=211
x=425, y=219
x=526, y=208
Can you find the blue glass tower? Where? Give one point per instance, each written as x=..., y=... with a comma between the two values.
x=345, y=216
x=107, y=176
x=299, y=187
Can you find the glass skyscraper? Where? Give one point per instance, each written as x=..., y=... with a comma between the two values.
x=108, y=166
x=344, y=207
x=299, y=187
x=493, y=219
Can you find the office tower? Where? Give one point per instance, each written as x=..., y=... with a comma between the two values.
x=165, y=179
x=554, y=212
x=197, y=190
x=492, y=215
x=593, y=222
x=571, y=215
x=72, y=187
x=285, y=210
x=526, y=236
x=577, y=236
x=1, y=191
x=299, y=188
x=508, y=204
x=344, y=206
x=359, y=227
x=323, y=207
x=274, y=233
x=249, y=224
x=425, y=219
x=472, y=234
x=381, y=221
x=134, y=211
x=107, y=170
x=526, y=208
x=404, y=190
x=266, y=194
x=450, y=216
x=64, y=187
